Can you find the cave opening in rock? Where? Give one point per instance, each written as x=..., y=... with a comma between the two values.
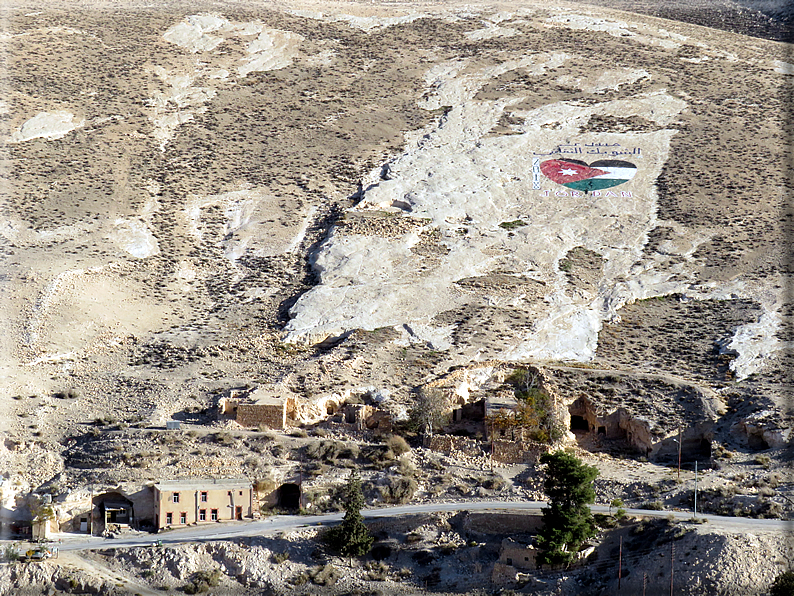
x=579, y=423
x=289, y=496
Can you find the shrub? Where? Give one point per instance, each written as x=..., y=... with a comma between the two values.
x=10, y=554
x=377, y=571
x=326, y=450
x=783, y=585
x=398, y=445
x=327, y=575
x=379, y=455
x=224, y=438
x=300, y=579
x=398, y=490
x=405, y=468
x=512, y=225
x=494, y=483
x=299, y=433
x=763, y=460
x=279, y=558
x=652, y=505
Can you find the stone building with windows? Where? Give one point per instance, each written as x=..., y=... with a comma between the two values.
x=184, y=502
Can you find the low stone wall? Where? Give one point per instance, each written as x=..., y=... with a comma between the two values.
x=498, y=522
x=454, y=446
x=256, y=415
x=518, y=452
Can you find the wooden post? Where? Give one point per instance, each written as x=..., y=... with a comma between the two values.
x=91, y=511
x=672, y=557
x=620, y=561
x=696, y=490
x=679, y=452
x=644, y=582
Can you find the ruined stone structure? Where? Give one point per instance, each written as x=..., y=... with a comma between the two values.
x=259, y=409
x=640, y=433
x=518, y=452
x=366, y=417
x=455, y=446
x=514, y=557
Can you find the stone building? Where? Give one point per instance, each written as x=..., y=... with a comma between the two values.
x=260, y=409
x=514, y=557
x=641, y=433
x=183, y=502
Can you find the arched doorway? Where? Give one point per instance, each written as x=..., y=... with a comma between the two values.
x=289, y=496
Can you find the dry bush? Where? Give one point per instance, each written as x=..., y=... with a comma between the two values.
x=398, y=445
x=398, y=490
x=376, y=571
x=405, y=467
x=224, y=438
x=379, y=456
x=329, y=451
x=327, y=575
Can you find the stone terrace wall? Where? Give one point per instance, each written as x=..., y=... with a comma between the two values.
x=518, y=452
x=451, y=445
x=256, y=415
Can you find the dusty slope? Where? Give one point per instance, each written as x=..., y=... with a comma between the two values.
x=192, y=195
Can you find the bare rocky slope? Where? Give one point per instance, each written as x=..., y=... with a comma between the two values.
x=347, y=202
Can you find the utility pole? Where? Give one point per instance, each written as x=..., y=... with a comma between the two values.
x=672, y=557
x=620, y=561
x=300, y=483
x=679, y=452
x=696, y=489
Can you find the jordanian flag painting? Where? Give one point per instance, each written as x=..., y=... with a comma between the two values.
x=578, y=175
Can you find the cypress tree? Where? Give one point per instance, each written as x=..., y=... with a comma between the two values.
x=567, y=521
x=351, y=538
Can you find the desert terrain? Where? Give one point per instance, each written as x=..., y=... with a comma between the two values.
x=348, y=205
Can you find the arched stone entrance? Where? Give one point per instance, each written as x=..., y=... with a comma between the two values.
x=289, y=496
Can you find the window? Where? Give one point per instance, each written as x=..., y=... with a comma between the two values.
x=202, y=515
x=214, y=515
x=183, y=518
x=175, y=498
x=241, y=493
x=169, y=519
x=229, y=493
x=203, y=496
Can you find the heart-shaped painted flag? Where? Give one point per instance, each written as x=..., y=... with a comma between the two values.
x=579, y=175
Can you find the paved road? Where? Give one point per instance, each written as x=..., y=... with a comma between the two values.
x=278, y=523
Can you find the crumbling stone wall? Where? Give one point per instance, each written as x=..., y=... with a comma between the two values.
x=518, y=452
x=256, y=415
x=454, y=446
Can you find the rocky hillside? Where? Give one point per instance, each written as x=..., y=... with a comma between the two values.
x=345, y=203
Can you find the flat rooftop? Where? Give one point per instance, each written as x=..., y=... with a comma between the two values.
x=203, y=484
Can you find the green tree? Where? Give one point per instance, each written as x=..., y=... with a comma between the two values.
x=351, y=538
x=567, y=521
x=783, y=584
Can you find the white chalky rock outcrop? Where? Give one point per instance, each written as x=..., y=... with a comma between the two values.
x=463, y=183
x=46, y=125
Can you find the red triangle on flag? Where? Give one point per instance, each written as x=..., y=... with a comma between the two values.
x=562, y=171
